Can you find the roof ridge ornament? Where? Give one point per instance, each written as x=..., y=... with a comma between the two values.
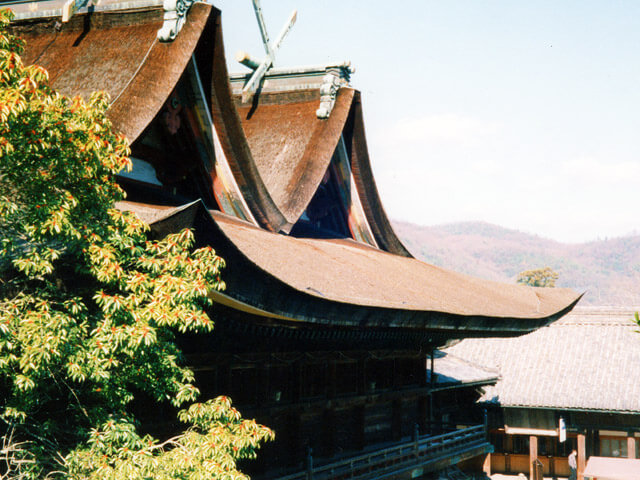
x=175, y=16
x=336, y=76
x=261, y=68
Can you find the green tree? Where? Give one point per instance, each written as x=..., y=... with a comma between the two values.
x=89, y=307
x=540, y=277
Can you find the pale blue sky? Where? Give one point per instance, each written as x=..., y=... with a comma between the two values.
x=523, y=114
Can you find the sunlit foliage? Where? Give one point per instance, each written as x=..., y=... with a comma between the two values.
x=541, y=277
x=89, y=306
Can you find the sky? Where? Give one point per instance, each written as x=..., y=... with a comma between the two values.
x=518, y=113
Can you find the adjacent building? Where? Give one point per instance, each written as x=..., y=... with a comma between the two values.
x=577, y=378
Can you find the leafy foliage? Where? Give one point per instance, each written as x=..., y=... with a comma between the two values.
x=541, y=277
x=89, y=306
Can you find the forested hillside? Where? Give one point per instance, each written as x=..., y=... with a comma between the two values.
x=608, y=270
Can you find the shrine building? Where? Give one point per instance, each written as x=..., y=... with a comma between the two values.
x=328, y=328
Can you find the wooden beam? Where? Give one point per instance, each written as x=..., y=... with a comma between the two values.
x=270, y=48
x=263, y=28
x=68, y=9
x=245, y=59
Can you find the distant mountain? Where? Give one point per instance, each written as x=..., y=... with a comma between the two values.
x=608, y=270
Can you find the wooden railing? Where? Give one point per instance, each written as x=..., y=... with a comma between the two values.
x=396, y=459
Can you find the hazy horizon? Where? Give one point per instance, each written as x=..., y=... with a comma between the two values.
x=516, y=230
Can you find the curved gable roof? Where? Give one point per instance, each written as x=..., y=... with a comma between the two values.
x=365, y=183
x=291, y=147
x=118, y=53
x=345, y=283
x=292, y=150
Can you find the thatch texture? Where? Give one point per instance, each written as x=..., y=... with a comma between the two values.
x=348, y=283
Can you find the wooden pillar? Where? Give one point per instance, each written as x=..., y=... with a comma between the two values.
x=227, y=375
x=295, y=436
x=359, y=439
x=508, y=448
x=421, y=370
x=395, y=377
x=486, y=465
x=581, y=455
x=533, y=455
x=264, y=387
x=328, y=430
x=631, y=445
x=432, y=383
x=298, y=381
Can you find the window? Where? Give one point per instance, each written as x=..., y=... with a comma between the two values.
x=613, y=447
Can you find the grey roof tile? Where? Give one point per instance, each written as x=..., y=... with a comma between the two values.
x=589, y=359
x=451, y=370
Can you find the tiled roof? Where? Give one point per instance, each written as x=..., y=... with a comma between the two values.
x=452, y=371
x=589, y=359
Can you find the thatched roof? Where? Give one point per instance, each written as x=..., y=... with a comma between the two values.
x=342, y=282
x=117, y=53
x=292, y=148
x=276, y=150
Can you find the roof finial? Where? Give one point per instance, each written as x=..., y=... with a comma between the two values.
x=175, y=16
x=336, y=76
x=270, y=48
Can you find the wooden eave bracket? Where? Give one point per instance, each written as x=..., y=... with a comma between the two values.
x=175, y=16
